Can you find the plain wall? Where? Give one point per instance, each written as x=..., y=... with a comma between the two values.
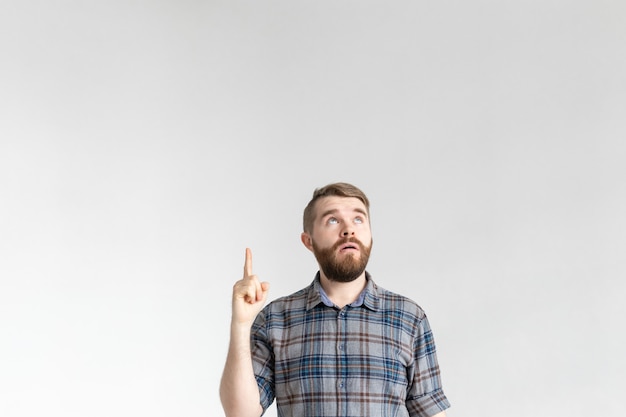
x=144, y=145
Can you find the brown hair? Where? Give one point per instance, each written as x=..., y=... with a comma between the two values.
x=338, y=189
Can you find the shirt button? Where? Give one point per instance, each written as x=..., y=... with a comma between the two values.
x=340, y=384
x=340, y=347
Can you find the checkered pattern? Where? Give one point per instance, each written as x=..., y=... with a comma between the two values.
x=375, y=357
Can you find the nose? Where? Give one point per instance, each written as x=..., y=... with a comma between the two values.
x=347, y=231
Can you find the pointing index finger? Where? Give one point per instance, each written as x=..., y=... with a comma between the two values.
x=247, y=266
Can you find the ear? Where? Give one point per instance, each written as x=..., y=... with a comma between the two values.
x=307, y=241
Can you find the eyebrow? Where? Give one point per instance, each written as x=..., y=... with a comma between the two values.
x=333, y=211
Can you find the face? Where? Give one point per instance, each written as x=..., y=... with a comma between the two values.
x=341, y=238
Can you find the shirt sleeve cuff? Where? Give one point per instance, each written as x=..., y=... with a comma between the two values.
x=428, y=404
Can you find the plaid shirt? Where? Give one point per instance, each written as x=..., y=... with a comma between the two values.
x=375, y=357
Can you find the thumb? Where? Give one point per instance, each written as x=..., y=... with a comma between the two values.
x=265, y=287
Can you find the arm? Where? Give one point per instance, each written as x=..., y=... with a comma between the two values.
x=239, y=392
x=425, y=393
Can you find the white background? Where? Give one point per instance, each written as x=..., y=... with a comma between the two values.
x=145, y=144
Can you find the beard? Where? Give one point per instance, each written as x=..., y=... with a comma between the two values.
x=342, y=270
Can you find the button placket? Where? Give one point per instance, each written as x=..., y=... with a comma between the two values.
x=341, y=349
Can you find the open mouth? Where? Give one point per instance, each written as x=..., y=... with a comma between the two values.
x=348, y=247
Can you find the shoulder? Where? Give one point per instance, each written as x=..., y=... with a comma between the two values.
x=289, y=303
x=391, y=301
x=297, y=297
x=282, y=312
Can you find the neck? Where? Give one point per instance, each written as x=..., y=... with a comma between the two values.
x=343, y=293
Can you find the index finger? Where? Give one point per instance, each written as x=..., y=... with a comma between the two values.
x=247, y=266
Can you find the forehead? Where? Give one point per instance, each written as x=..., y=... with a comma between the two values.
x=332, y=204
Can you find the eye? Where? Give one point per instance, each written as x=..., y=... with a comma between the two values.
x=332, y=220
x=358, y=220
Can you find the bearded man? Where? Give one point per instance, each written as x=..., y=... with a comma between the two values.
x=343, y=346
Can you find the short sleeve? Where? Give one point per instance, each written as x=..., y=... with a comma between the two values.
x=425, y=397
x=262, y=360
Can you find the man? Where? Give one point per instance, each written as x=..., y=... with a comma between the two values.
x=343, y=347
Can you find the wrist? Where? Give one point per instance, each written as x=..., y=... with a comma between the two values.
x=240, y=327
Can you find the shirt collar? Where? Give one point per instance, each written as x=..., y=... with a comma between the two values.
x=368, y=297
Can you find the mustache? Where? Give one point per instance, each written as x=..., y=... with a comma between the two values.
x=343, y=241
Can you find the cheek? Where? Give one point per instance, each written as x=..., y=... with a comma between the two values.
x=325, y=235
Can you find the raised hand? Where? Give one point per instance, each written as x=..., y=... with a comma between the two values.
x=249, y=294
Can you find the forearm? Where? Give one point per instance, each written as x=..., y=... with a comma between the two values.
x=238, y=389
